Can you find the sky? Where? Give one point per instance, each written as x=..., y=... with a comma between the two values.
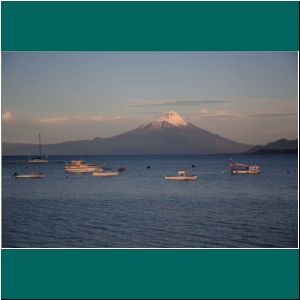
x=249, y=97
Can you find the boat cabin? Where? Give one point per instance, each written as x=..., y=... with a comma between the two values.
x=182, y=173
x=77, y=163
x=254, y=168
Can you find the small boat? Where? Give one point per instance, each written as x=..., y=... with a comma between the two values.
x=33, y=175
x=121, y=168
x=105, y=173
x=79, y=166
x=182, y=175
x=39, y=159
x=237, y=168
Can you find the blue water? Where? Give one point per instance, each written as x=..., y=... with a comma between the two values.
x=140, y=209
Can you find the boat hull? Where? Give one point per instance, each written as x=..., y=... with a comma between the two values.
x=245, y=172
x=29, y=176
x=181, y=177
x=105, y=174
x=38, y=161
x=79, y=170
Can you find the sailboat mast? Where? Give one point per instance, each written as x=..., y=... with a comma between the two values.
x=40, y=146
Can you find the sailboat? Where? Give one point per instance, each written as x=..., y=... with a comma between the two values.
x=39, y=159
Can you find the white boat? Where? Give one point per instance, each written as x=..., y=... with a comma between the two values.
x=105, y=174
x=237, y=168
x=33, y=175
x=39, y=159
x=182, y=175
x=79, y=166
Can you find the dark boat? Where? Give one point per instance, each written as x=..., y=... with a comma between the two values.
x=121, y=168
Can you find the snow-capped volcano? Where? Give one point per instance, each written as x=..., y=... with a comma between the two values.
x=170, y=134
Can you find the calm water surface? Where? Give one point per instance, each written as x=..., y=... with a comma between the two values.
x=140, y=209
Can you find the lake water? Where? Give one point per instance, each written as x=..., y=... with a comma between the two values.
x=140, y=209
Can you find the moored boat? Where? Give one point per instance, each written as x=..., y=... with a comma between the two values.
x=105, y=173
x=39, y=159
x=121, y=168
x=238, y=168
x=79, y=166
x=33, y=175
x=182, y=175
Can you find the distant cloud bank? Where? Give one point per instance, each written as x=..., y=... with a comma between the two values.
x=164, y=102
x=80, y=118
x=223, y=114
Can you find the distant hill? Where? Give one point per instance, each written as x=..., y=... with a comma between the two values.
x=170, y=134
x=269, y=151
x=282, y=146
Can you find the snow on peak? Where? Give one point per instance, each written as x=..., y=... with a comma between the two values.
x=172, y=118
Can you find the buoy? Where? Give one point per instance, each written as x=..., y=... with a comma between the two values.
x=193, y=166
x=148, y=167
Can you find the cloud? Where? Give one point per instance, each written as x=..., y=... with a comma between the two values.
x=226, y=114
x=204, y=113
x=196, y=102
x=273, y=115
x=274, y=99
x=7, y=116
x=80, y=119
x=162, y=102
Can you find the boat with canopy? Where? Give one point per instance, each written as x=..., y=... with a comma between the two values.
x=79, y=166
x=238, y=168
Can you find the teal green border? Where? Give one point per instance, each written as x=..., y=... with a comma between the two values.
x=156, y=273
x=140, y=26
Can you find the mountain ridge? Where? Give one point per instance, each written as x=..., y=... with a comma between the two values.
x=279, y=146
